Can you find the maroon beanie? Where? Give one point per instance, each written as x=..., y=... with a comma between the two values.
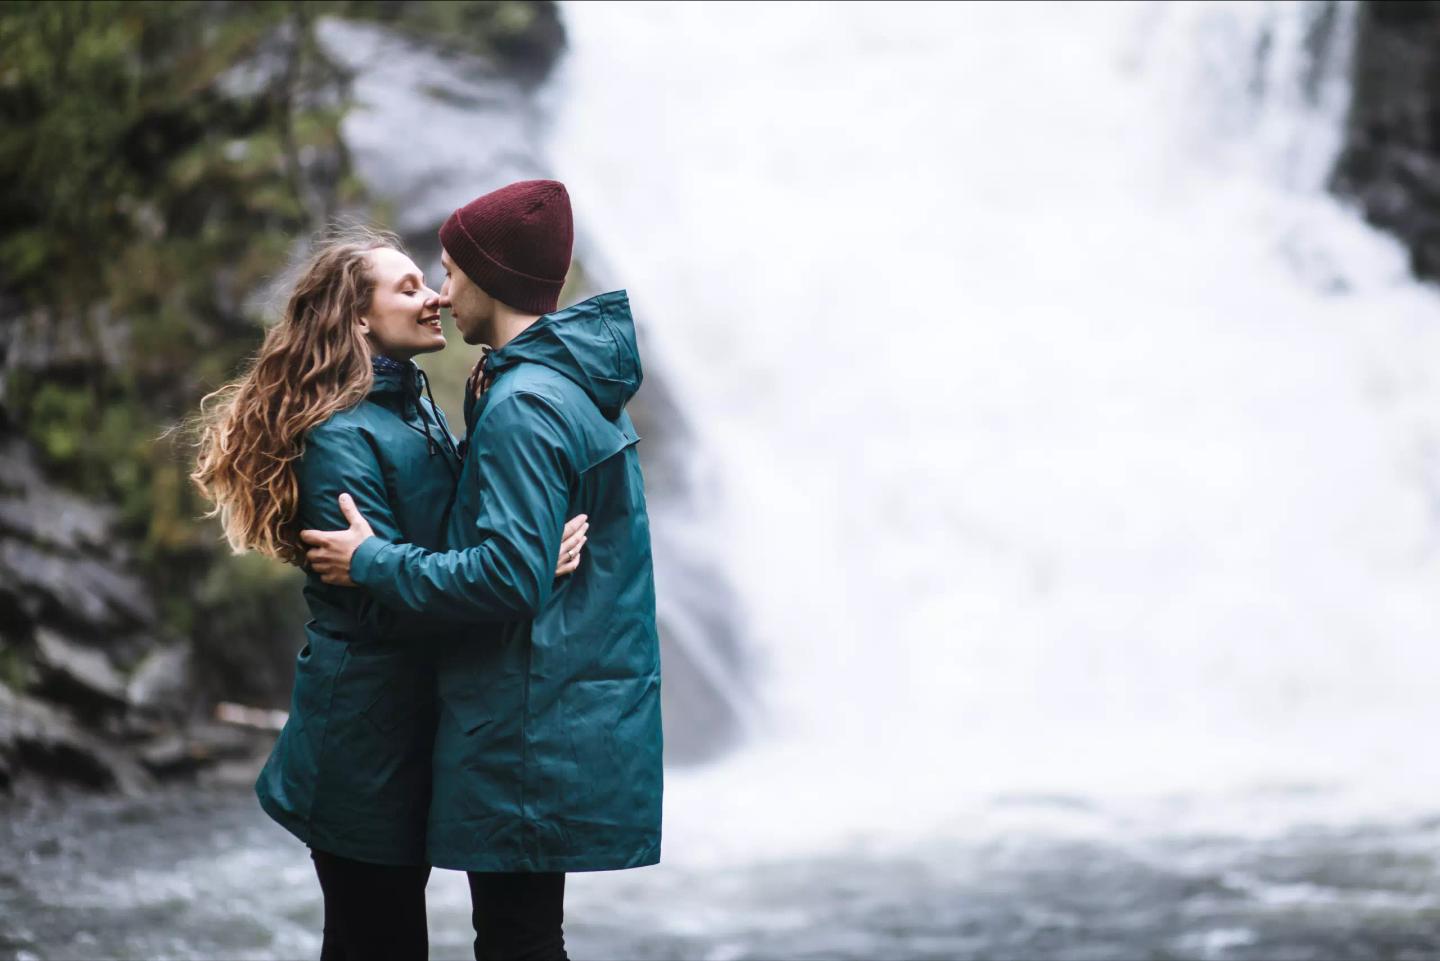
x=514, y=243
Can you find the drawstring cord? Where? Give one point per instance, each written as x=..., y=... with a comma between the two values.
x=475, y=384
x=414, y=380
x=439, y=428
x=452, y=464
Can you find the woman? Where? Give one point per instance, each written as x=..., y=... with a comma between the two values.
x=333, y=403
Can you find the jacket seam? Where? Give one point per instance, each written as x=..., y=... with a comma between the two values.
x=609, y=327
x=320, y=756
x=528, y=828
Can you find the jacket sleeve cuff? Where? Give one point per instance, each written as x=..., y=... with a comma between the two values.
x=362, y=562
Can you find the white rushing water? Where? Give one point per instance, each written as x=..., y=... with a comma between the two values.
x=1065, y=434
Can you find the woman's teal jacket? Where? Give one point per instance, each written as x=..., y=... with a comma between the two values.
x=350, y=773
x=548, y=741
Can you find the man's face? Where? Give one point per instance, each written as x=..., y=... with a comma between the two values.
x=472, y=308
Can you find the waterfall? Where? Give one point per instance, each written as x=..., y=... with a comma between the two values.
x=1063, y=430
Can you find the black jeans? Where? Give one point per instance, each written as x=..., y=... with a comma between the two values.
x=518, y=916
x=373, y=912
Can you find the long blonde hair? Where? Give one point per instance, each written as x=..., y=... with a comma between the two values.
x=313, y=363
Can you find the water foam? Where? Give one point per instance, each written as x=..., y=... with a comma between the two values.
x=1070, y=435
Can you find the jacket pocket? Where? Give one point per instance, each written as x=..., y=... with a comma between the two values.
x=467, y=705
x=389, y=686
x=482, y=677
x=316, y=667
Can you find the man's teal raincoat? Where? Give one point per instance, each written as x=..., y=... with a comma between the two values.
x=548, y=743
x=350, y=773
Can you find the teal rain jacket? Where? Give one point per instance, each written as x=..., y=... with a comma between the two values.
x=548, y=743
x=350, y=773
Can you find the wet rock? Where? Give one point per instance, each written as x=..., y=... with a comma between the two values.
x=47, y=741
x=241, y=773
x=199, y=746
x=84, y=593
x=524, y=38
x=162, y=683
x=77, y=674
x=436, y=168
x=213, y=741
x=1390, y=164
x=34, y=510
x=166, y=754
x=60, y=341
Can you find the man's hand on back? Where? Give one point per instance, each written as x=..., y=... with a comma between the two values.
x=329, y=552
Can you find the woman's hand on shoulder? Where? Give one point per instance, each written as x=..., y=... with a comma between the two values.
x=572, y=539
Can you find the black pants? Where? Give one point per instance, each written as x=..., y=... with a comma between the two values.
x=373, y=912
x=518, y=917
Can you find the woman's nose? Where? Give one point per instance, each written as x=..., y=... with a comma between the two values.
x=433, y=301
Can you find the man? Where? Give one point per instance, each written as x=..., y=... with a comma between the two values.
x=548, y=748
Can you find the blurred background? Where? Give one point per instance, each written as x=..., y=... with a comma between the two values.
x=1042, y=437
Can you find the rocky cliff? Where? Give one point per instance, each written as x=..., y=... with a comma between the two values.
x=1390, y=165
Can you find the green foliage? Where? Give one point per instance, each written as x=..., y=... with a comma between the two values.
x=15, y=666
x=116, y=123
x=524, y=36
x=57, y=417
x=157, y=163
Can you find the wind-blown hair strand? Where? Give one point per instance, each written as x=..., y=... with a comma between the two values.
x=313, y=363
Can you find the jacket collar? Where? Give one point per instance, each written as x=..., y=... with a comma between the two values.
x=393, y=376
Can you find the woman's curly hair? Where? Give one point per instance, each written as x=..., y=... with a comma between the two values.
x=313, y=363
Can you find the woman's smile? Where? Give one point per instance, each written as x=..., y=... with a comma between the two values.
x=400, y=302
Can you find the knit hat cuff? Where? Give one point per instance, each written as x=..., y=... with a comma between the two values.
x=539, y=295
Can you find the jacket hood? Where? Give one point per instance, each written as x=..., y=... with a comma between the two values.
x=591, y=343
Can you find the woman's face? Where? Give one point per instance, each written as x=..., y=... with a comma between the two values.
x=404, y=315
